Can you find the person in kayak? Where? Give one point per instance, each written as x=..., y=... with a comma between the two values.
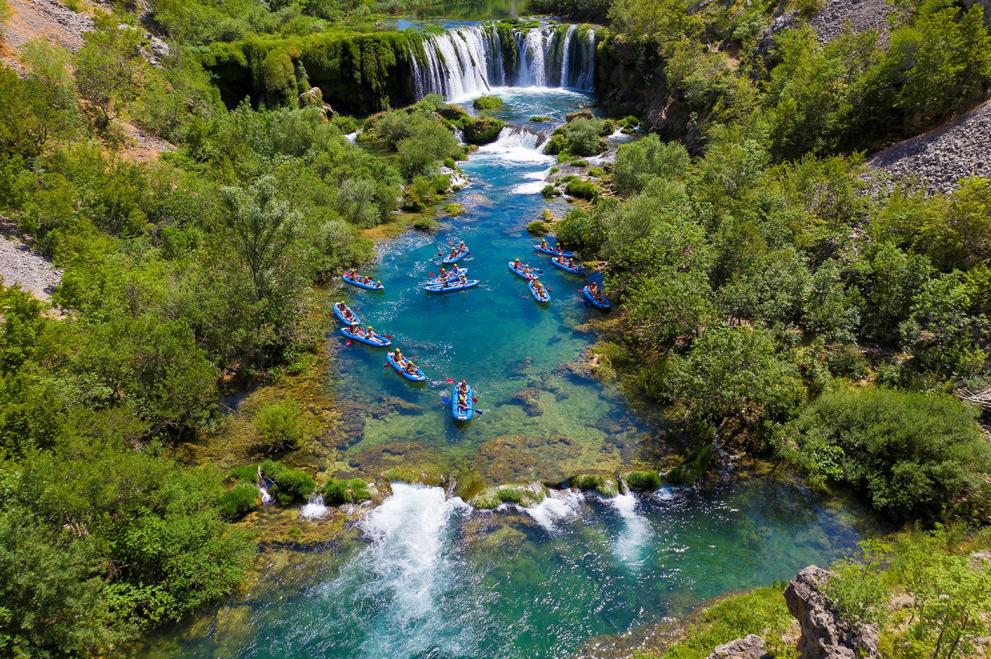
x=455, y=270
x=343, y=308
x=370, y=333
x=463, y=401
x=463, y=387
x=356, y=330
x=539, y=287
x=568, y=263
x=442, y=275
x=410, y=367
x=397, y=356
x=543, y=243
x=595, y=292
x=463, y=279
x=517, y=264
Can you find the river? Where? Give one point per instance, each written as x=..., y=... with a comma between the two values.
x=427, y=575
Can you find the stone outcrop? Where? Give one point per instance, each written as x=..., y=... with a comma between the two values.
x=22, y=267
x=748, y=647
x=940, y=158
x=824, y=635
x=839, y=16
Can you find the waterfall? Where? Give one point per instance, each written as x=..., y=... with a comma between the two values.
x=470, y=60
x=517, y=144
x=566, y=54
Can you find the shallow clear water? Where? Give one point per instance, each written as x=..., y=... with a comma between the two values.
x=429, y=576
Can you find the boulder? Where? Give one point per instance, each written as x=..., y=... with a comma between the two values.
x=824, y=635
x=750, y=646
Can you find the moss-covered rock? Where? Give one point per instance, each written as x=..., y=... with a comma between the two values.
x=410, y=475
x=643, y=480
x=604, y=485
x=488, y=102
x=353, y=490
x=521, y=495
x=482, y=130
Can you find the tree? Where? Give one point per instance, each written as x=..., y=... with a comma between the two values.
x=734, y=372
x=108, y=68
x=264, y=231
x=671, y=307
x=640, y=161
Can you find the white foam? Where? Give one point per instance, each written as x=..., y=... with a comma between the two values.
x=557, y=507
x=536, y=187
x=352, y=137
x=635, y=533
x=314, y=508
x=266, y=497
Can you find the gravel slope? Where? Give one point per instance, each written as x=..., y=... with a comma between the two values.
x=19, y=265
x=944, y=155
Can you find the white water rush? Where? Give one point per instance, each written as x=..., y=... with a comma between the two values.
x=635, y=533
x=470, y=60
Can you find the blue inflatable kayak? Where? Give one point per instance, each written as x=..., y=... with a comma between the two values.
x=451, y=260
x=375, y=286
x=548, y=250
x=459, y=413
x=343, y=317
x=601, y=303
x=577, y=270
x=450, y=276
x=419, y=376
x=378, y=341
x=441, y=288
x=546, y=297
x=522, y=273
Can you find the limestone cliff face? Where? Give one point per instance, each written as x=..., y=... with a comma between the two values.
x=824, y=633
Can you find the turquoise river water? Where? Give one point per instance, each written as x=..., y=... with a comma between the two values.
x=425, y=575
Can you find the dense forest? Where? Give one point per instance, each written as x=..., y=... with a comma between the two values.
x=776, y=296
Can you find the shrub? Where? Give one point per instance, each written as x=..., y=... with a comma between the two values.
x=582, y=189
x=345, y=491
x=538, y=228
x=912, y=455
x=643, y=481
x=490, y=102
x=594, y=482
x=549, y=190
x=694, y=467
x=582, y=230
x=238, y=502
x=540, y=119
x=640, y=162
x=280, y=426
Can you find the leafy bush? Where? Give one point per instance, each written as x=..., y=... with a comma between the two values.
x=291, y=485
x=238, y=501
x=346, y=491
x=912, y=455
x=582, y=230
x=482, y=130
x=280, y=426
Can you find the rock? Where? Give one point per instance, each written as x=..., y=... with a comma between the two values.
x=530, y=400
x=312, y=97
x=824, y=634
x=856, y=16
x=748, y=647
x=22, y=267
x=584, y=113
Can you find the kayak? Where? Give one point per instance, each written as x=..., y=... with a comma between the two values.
x=533, y=272
x=603, y=304
x=451, y=260
x=577, y=270
x=548, y=250
x=341, y=316
x=440, y=288
x=378, y=341
x=533, y=291
x=460, y=414
x=419, y=376
x=360, y=284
